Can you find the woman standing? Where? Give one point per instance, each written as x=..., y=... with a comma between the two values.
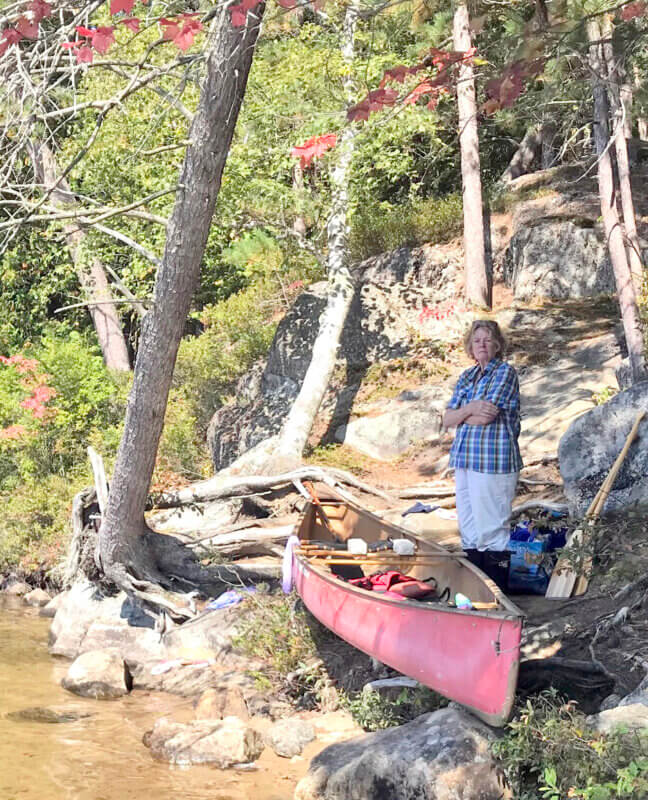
x=485, y=410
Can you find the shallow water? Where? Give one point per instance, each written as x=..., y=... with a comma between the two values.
x=101, y=757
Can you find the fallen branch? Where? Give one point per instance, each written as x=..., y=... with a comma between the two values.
x=217, y=488
x=251, y=542
x=426, y=490
x=549, y=504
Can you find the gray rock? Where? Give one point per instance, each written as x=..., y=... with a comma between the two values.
x=220, y=743
x=53, y=606
x=17, y=588
x=391, y=290
x=637, y=695
x=611, y=701
x=52, y=716
x=288, y=737
x=592, y=443
x=100, y=674
x=633, y=716
x=441, y=755
x=37, y=597
x=222, y=701
x=558, y=259
x=414, y=416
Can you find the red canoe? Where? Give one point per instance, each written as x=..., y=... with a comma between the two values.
x=471, y=656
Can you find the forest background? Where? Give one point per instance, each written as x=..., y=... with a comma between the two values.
x=268, y=238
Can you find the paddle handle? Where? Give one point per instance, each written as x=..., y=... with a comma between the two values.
x=606, y=487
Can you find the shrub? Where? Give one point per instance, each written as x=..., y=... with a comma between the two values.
x=548, y=752
x=374, y=711
x=381, y=228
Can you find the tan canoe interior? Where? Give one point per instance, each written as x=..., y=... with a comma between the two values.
x=347, y=521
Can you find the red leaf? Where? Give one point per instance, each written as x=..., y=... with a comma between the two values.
x=89, y=32
x=424, y=88
x=84, y=55
x=315, y=147
x=633, y=10
x=69, y=45
x=360, y=111
x=238, y=16
x=103, y=39
x=288, y=4
x=116, y=6
x=40, y=9
x=186, y=37
x=11, y=36
x=132, y=23
x=28, y=29
x=397, y=74
x=170, y=27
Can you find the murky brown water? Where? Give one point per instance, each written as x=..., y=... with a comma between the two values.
x=101, y=757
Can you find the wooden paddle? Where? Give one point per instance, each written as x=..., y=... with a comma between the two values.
x=564, y=581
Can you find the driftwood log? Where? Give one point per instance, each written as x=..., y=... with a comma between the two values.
x=218, y=487
x=252, y=541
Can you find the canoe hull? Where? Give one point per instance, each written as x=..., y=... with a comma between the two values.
x=468, y=656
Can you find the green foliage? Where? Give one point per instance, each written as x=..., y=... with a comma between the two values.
x=548, y=752
x=378, y=229
x=374, y=711
x=236, y=333
x=279, y=634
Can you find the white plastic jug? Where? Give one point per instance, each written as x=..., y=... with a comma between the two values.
x=358, y=546
x=404, y=547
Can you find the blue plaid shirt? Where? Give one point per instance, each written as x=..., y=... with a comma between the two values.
x=494, y=447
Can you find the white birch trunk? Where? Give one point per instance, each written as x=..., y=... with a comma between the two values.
x=620, y=116
x=476, y=276
x=611, y=223
x=297, y=426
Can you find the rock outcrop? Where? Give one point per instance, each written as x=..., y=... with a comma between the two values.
x=221, y=743
x=391, y=291
x=594, y=440
x=100, y=674
x=444, y=754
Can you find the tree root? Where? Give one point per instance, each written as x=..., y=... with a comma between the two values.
x=218, y=488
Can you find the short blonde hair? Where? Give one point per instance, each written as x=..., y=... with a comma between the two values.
x=493, y=328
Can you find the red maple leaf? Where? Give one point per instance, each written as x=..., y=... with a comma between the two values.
x=116, y=6
x=84, y=54
x=315, y=147
x=40, y=10
x=633, y=10
x=11, y=36
x=132, y=23
x=103, y=39
x=424, y=88
x=239, y=12
x=66, y=46
x=88, y=32
x=185, y=38
x=28, y=28
x=170, y=28
x=288, y=4
x=397, y=74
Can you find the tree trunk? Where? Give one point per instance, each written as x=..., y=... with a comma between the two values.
x=122, y=536
x=90, y=271
x=476, y=276
x=611, y=224
x=297, y=426
x=527, y=153
x=619, y=114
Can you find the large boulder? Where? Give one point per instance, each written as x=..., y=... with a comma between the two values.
x=441, y=755
x=558, y=259
x=37, y=597
x=100, y=674
x=391, y=428
x=592, y=443
x=221, y=743
x=391, y=291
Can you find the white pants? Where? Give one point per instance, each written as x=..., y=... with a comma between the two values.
x=484, y=503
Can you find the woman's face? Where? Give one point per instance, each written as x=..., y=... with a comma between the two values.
x=484, y=346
